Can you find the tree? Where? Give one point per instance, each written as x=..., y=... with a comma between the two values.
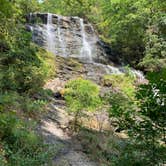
x=144, y=121
x=23, y=69
x=81, y=95
x=133, y=29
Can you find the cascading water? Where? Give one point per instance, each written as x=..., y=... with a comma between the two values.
x=112, y=69
x=50, y=35
x=71, y=36
x=61, y=38
x=64, y=36
x=31, y=27
x=86, y=52
x=30, y=17
x=138, y=74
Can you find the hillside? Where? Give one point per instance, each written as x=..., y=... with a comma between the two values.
x=82, y=83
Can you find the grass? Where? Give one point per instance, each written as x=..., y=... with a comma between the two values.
x=120, y=82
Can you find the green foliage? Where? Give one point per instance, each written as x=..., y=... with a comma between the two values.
x=21, y=72
x=126, y=22
x=68, y=7
x=122, y=109
x=27, y=6
x=24, y=68
x=82, y=95
x=24, y=104
x=121, y=82
x=34, y=107
x=9, y=101
x=19, y=144
x=136, y=30
x=144, y=120
x=155, y=53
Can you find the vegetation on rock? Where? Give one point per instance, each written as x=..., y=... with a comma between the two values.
x=24, y=68
x=120, y=82
x=82, y=95
x=135, y=32
x=134, y=29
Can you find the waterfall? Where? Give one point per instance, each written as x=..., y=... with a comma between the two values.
x=30, y=27
x=50, y=34
x=138, y=74
x=114, y=70
x=72, y=37
x=86, y=51
x=61, y=38
x=30, y=17
x=49, y=19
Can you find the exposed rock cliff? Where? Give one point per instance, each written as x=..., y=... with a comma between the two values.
x=67, y=36
x=73, y=37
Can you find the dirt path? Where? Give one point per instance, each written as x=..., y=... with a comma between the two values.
x=54, y=129
x=54, y=126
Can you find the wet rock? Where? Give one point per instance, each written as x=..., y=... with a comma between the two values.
x=66, y=36
x=58, y=95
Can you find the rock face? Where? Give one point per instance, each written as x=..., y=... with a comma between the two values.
x=73, y=37
x=66, y=36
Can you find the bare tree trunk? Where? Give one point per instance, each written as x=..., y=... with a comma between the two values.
x=76, y=120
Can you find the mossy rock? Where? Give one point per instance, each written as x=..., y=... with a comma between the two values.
x=105, y=81
x=74, y=64
x=71, y=63
x=121, y=82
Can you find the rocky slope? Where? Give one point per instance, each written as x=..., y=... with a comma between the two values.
x=67, y=37
x=78, y=52
x=55, y=125
x=54, y=129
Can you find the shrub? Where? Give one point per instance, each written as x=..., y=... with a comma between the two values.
x=34, y=107
x=82, y=95
x=25, y=104
x=9, y=101
x=144, y=122
x=25, y=67
x=123, y=83
x=20, y=145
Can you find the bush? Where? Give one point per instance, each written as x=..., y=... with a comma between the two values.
x=20, y=146
x=24, y=104
x=9, y=101
x=121, y=82
x=34, y=107
x=144, y=121
x=24, y=68
x=82, y=95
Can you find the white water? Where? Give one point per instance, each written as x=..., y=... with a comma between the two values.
x=57, y=41
x=31, y=27
x=120, y=70
x=30, y=17
x=50, y=35
x=61, y=38
x=138, y=74
x=86, y=51
x=114, y=70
